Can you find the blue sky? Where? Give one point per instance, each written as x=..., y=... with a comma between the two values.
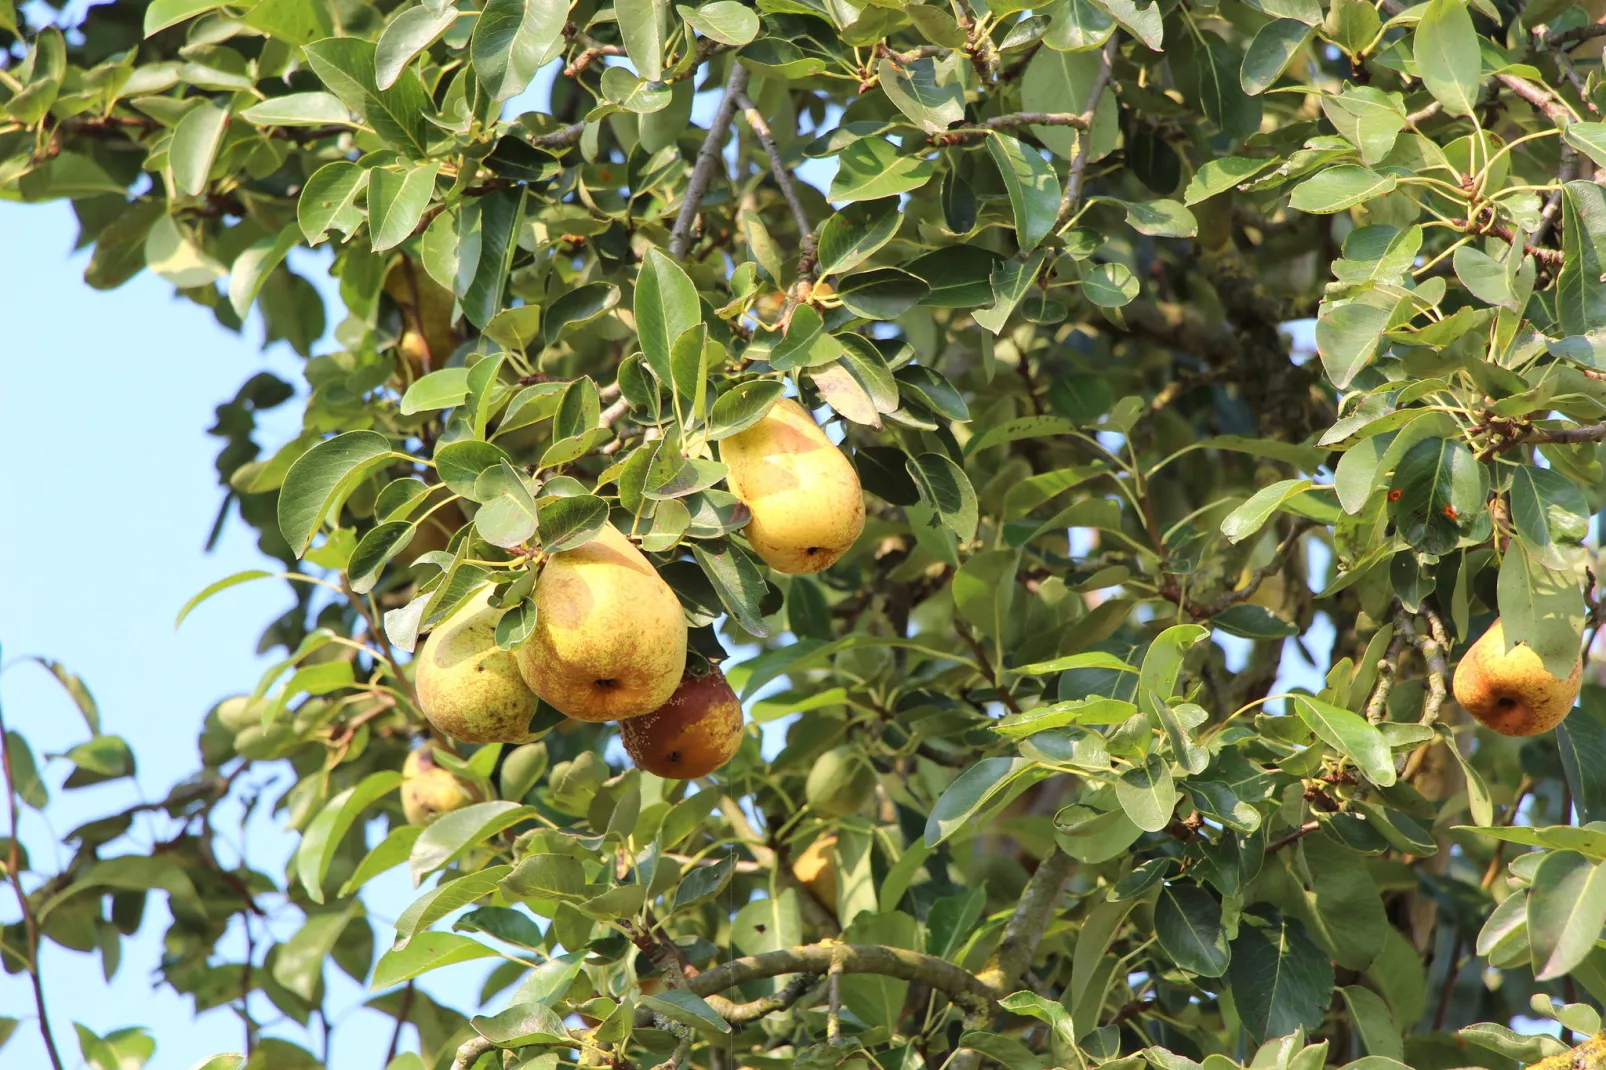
x=110, y=492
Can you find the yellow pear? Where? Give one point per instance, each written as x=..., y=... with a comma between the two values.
x=804, y=494
x=610, y=637
x=427, y=790
x=467, y=686
x=1510, y=691
x=815, y=869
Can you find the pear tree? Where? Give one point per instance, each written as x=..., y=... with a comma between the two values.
x=863, y=534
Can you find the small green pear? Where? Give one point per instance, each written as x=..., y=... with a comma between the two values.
x=610, y=636
x=427, y=790
x=840, y=783
x=1511, y=691
x=468, y=687
x=804, y=494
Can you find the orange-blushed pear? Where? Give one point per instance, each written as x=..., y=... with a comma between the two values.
x=610, y=636
x=804, y=494
x=1510, y=690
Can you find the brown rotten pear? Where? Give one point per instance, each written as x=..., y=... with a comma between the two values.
x=427, y=790
x=610, y=637
x=467, y=686
x=691, y=735
x=804, y=495
x=1510, y=691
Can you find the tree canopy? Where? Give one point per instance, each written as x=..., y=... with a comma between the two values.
x=1173, y=344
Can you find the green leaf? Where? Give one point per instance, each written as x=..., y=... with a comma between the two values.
x=1280, y=980
x=1542, y=607
x=1442, y=488
x=1581, y=738
x=438, y=390
x=852, y=236
x=742, y=406
x=1033, y=187
x=346, y=66
x=1252, y=515
x=1147, y=794
x=78, y=691
x=194, y=146
x=1076, y=26
x=1549, y=513
x=450, y=834
x=704, y=882
x=1484, y=276
x=1375, y=1022
x=522, y=1024
x=1368, y=118
x=497, y=216
x=1580, y=295
x=687, y=1008
x=1020, y=428
x=981, y=782
x=1187, y=923
x=878, y=294
x=547, y=876
x=929, y=100
x=1445, y=46
x=945, y=488
x=1350, y=735
x=164, y=13
x=1588, y=138
x=460, y=463
x=569, y=523
x=429, y=951
x=323, y=476
x=391, y=851
x=1270, y=52
x=252, y=267
x=642, y=26
x=871, y=168
x=1220, y=175
x=1110, y=285
x=406, y=35
x=1566, y=912
x=396, y=202
x=666, y=306
x=444, y=898
x=328, y=201
x=576, y=308
x=512, y=40
x=725, y=21
x=736, y=580
x=323, y=836
x=1347, y=337
x=1342, y=186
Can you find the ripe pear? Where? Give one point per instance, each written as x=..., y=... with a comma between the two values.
x=610, y=637
x=815, y=869
x=694, y=733
x=427, y=790
x=467, y=686
x=1509, y=690
x=805, y=497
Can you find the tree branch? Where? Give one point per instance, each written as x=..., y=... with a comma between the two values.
x=783, y=179
x=963, y=987
x=1026, y=925
x=708, y=158
x=959, y=135
x=469, y=1051
x=1084, y=143
x=1540, y=97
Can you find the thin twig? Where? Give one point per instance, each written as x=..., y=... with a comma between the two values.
x=1387, y=669
x=29, y=921
x=708, y=158
x=1084, y=141
x=469, y=1051
x=1293, y=837
x=783, y=178
x=403, y=1008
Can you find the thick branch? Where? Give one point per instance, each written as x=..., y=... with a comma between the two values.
x=708, y=158
x=1574, y=36
x=1025, y=928
x=816, y=959
x=470, y=1050
x=1552, y=257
